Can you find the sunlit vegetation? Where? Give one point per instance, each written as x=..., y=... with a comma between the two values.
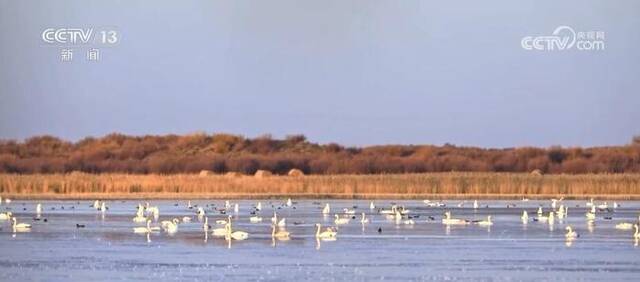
x=425, y=185
x=222, y=153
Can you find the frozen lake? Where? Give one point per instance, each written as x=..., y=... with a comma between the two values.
x=106, y=249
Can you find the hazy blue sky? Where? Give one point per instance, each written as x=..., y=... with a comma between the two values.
x=354, y=72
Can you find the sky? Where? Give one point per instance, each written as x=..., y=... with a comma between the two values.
x=356, y=72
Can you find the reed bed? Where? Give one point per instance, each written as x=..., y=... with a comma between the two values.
x=408, y=186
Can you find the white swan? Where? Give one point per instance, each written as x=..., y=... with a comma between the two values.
x=327, y=234
x=603, y=206
x=409, y=222
x=551, y=218
x=392, y=211
x=103, y=207
x=259, y=206
x=38, y=209
x=19, y=227
x=235, y=235
x=221, y=221
x=200, y=211
x=348, y=211
x=364, y=219
x=326, y=209
x=186, y=219
x=221, y=232
x=5, y=216
x=280, y=234
x=624, y=226
x=139, y=218
x=524, y=217
x=560, y=212
x=282, y=222
x=96, y=204
x=570, y=235
x=143, y=230
x=452, y=221
x=236, y=208
x=487, y=222
x=372, y=206
x=7, y=200
x=255, y=219
x=539, y=211
x=636, y=235
x=205, y=225
x=591, y=215
x=171, y=226
x=590, y=203
x=475, y=204
x=289, y=202
x=340, y=221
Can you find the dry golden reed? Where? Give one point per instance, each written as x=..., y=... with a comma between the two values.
x=416, y=186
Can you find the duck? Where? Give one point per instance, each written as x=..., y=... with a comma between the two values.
x=19, y=227
x=327, y=234
x=570, y=235
x=5, y=216
x=255, y=219
x=280, y=234
x=487, y=222
x=326, y=210
x=452, y=221
x=364, y=219
x=340, y=221
x=524, y=217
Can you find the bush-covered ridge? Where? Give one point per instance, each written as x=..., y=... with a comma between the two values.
x=224, y=152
